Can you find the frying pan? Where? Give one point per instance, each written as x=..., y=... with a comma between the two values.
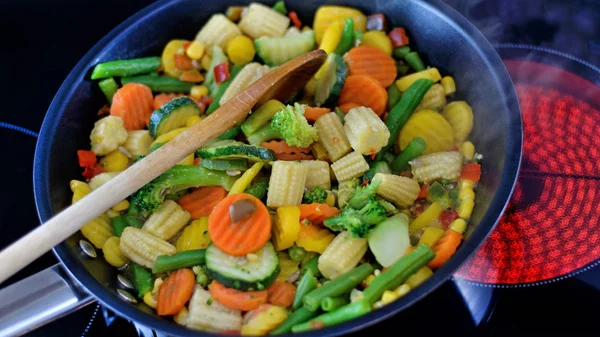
x=444, y=39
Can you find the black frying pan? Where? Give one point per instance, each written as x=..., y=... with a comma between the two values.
x=443, y=37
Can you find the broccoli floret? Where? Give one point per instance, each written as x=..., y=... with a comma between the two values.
x=178, y=178
x=317, y=195
x=358, y=222
x=294, y=128
x=362, y=195
x=345, y=191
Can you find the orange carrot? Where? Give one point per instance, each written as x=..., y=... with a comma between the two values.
x=313, y=113
x=133, y=103
x=317, y=213
x=347, y=106
x=281, y=294
x=163, y=98
x=367, y=60
x=202, y=200
x=236, y=299
x=285, y=152
x=471, y=171
x=175, y=291
x=366, y=91
x=445, y=247
x=244, y=236
x=183, y=62
x=192, y=76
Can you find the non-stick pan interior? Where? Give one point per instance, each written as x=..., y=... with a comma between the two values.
x=443, y=38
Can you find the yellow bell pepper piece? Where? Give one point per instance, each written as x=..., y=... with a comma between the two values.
x=192, y=120
x=314, y=239
x=419, y=277
x=168, y=57
x=458, y=225
x=198, y=91
x=330, y=200
x=466, y=208
x=327, y=15
x=430, y=236
x=432, y=212
x=189, y=160
x=448, y=85
x=168, y=136
x=264, y=321
x=287, y=266
x=115, y=161
x=244, y=181
x=286, y=228
x=151, y=300
x=331, y=37
x=377, y=39
x=404, y=82
x=194, y=236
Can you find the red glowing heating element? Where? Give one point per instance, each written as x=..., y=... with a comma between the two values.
x=551, y=225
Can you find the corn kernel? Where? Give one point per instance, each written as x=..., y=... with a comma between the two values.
x=458, y=225
x=466, y=193
x=468, y=150
x=449, y=85
x=121, y=206
x=466, y=208
x=356, y=295
x=466, y=184
x=379, y=40
x=157, y=283
x=241, y=50
x=402, y=290
x=115, y=161
x=192, y=120
x=198, y=91
x=151, y=300
x=195, y=50
x=252, y=257
x=330, y=200
x=369, y=279
x=388, y=297
x=206, y=60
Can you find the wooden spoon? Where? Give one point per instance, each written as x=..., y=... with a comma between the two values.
x=280, y=83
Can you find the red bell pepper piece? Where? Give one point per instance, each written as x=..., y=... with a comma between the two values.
x=424, y=191
x=398, y=37
x=92, y=171
x=294, y=17
x=86, y=158
x=221, y=72
x=471, y=171
x=446, y=217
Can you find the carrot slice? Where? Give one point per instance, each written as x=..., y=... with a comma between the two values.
x=317, y=213
x=471, y=171
x=175, y=291
x=133, y=103
x=202, y=200
x=347, y=106
x=366, y=91
x=244, y=236
x=236, y=299
x=281, y=294
x=285, y=152
x=313, y=113
x=183, y=62
x=161, y=99
x=367, y=60
x=192, y=76
x=445, y=248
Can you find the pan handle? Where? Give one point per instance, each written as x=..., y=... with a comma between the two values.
x=39, y=299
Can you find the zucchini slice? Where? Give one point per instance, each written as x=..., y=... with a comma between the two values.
x=331, y=81
x=279, y=50
x=229, y=149
x=172, y=115
x=240, y=273
x=225, y=164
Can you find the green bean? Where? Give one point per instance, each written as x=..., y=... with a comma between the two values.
x=402, y=69
x=299, y=316
x=307, y=283
x=230, y=134
x=394, y=95
x=133, y=221
x=313, y=266
x=401, y=52
x=133, y=209
x=142, y=278
x=214, y=105
x=331, y=303
x=109, y=87
x=123, y=68
x=413, y=149
x=388, y=158
x=118, y=224
x=279, y=7
x=347, y=37
x=338, y=286
x=160, y=83
x=189, y=258
x=297, y=253
x=339, y=315
x=414, y=61
x=340, y=114
x=398, y=273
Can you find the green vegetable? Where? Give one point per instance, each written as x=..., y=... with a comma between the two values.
x=160, y=83
x=296, y=253
x=278, y=50
x=188, y=258
x=339, y=315
x=332, y=303
x=358, y=222
x=338, y=286
x=317, y=195
x=346, y=191
x=402, y=111
x=389, y=207
x=264, y=134
x=376, y=167
x=220, y=91
x=261, y=117
x=123, y=68
x=228, y=149
x=358, y=36
x=133, y=221
x=313, y=266
x=413, y=149
x=229, y=134
x=435, y=192
x=279, y=7
x=307, y=283
x=389, y=240
x=172, y=115
x=394, y=96
x=201, y=276
x=340, y=114
x=299, y=316
x=347, y=37
x=144, y=283
x=225, y=164
x=118, y=224
x=361, y=196
x=414, y=61
x=218, y=57
x=175, y=196
x=398, y=273
x=401, y=52
x=109, y=87
x=402, y=69
x=177, y=178
x=294, y=128
x=156, y=146
x=329, y=85
x=258, y=188
x=133, y=210
x=388, y=158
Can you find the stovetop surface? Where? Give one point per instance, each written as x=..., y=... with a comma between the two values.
x=536, y=274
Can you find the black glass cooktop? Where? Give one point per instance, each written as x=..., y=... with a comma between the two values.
x=535, y=276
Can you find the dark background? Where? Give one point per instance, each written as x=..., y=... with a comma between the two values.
x=42, y=41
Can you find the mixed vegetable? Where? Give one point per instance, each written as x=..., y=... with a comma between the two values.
x=311, y=212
